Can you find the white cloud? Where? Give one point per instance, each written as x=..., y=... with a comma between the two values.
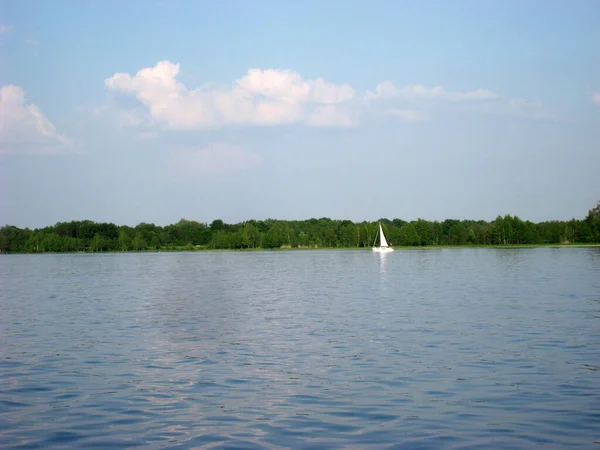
x=5, y=29
x=261, y=97
x=192, y=164
x=408, y=115
x=480, y=100
x=387, y=90
x=596, y=98
x=272, y=96
x=23, y=127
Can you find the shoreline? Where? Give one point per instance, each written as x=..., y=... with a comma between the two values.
x=286, y=249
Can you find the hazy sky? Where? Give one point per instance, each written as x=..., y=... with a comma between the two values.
x=151, y=111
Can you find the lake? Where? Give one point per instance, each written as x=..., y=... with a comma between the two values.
x=439, y=348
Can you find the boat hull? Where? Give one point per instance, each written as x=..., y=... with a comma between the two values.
x=383, y=249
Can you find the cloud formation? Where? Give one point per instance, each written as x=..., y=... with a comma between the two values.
x=261, y=97
x=23, y=127
x=192, y=164
x=387, y=90
x=273, y=97
x=596, y=98
x=5, y=29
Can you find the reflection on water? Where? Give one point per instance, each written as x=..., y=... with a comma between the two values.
x=421, y=348
x=382, y=264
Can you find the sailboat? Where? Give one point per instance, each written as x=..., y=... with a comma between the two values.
x=383, y=245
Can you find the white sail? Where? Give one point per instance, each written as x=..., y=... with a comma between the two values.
x=384, y=247
x=383, y=240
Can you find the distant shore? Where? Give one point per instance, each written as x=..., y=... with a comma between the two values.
x=86, y=236
x=292, y=249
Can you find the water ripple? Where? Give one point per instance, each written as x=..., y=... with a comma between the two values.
x=454, y=348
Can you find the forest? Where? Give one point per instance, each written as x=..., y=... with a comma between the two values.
x=89, y=236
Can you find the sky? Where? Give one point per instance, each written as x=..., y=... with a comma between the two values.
x=153, y=111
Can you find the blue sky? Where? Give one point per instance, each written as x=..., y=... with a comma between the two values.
x=150, y=111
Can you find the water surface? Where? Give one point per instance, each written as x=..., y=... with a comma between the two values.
x=441, y=348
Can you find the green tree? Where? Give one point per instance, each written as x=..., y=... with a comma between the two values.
x=347, y=235
x=408, y=235
x=250, y=235
x=138, y=243
x=220, y=239
x=124, y=241
x=217, y=225
x=457, y=234
x=425, y=231
x=275, y=237
x=593, y=222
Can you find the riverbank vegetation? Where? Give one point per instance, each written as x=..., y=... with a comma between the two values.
x=89, y=236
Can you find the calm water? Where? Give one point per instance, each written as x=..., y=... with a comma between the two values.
x=453, y=348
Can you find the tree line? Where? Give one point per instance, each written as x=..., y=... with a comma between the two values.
x=89, y=236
